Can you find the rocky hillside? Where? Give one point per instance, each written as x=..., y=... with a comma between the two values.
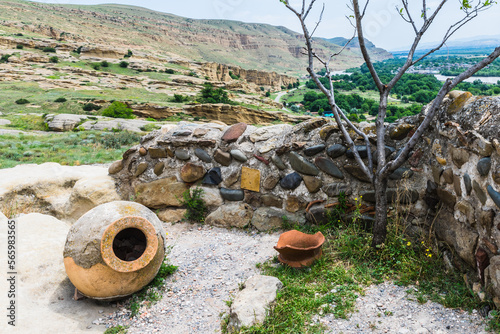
x=250, y=46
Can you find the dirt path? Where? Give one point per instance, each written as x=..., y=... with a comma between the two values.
x=213, y=262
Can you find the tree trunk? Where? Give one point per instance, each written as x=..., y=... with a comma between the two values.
x=380, y=227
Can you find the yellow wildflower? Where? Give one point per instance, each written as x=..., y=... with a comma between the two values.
x=408, y=244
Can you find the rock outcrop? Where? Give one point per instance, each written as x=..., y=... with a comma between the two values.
x=250, y=306
x=229, y=114
x=61, y=191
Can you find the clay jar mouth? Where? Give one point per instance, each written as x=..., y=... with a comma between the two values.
x=129, y=244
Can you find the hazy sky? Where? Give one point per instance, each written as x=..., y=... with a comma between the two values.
x=383, y=25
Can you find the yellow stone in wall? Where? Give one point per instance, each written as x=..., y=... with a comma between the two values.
x=250, y=179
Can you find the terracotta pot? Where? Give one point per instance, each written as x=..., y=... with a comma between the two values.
x=299, y=249
x=114, y=250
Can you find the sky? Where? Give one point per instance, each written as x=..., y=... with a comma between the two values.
x=382, y=24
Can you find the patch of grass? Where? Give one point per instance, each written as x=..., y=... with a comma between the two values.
x=118, y=139
x=494, y=321
x=117, y=330
x=150, y=127
x=26, y=122
x=87, y=147
x=349, y=263
x=152, y=292
x=196, y=208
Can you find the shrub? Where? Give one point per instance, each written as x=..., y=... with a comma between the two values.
x=60, y=100
x=193, y=74
x=233, y=76
x=54, y=59
x=79, y=50
x=211, y=95
x=118, y=110
x=19, y=47
x=123, y=64
x=196, y=208
x=22, y=101
x=118, y=139
x=169, y=71
x=4, y=58
x=129, y=54
x=268, y=94
x=91, y=106
x=96, y=66
x=48, y=49
x=178, y=98
x=104, y=63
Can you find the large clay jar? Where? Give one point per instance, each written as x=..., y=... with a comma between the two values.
x=299, y=249
x=114, y=250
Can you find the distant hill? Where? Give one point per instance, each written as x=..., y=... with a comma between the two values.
x=353, y=46
x=249, y=45
x=477, y=46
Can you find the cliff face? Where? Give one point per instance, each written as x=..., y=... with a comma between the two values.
x=221, y=72
x=250, y=46
x=225, y=113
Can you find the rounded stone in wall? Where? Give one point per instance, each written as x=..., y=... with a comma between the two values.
x=191, y=173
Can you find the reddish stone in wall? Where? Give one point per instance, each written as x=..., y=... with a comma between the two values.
x=234, y=132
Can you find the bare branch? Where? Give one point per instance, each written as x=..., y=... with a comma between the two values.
x=410, y=19
x=445, y=89
x=319, y=21
x=362, y=45
x=309, y=9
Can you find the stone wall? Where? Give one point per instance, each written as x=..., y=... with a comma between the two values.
x=255, y=175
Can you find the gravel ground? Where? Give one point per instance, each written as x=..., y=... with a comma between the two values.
x=214, y=261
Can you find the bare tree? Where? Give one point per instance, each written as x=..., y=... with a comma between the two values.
x=426, y=17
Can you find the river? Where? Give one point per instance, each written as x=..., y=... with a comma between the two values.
x=487, y=80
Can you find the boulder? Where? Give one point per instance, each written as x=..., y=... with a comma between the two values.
x=265, y=219
x=459, y=156
x=251, y=304
x=88, y=193
x=291, y=181
x=329, y=167
x=159, y=193
x=231, y=215
x=232, y=194
x=301, y=165
x=224, y=158
x=191, y=173
x=63, y=122
x=234, y=132
x=50, y=188
x=461, y=238
x=203, y=155
x=492, y=276
x=313, y=184
x=336, y=151
x=171, y=215
x=211, y=197
x=278, y=162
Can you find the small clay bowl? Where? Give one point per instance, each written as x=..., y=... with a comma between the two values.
x=299, y=249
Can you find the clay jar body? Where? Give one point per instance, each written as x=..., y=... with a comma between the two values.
x=114, y=250
x=299, y=249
